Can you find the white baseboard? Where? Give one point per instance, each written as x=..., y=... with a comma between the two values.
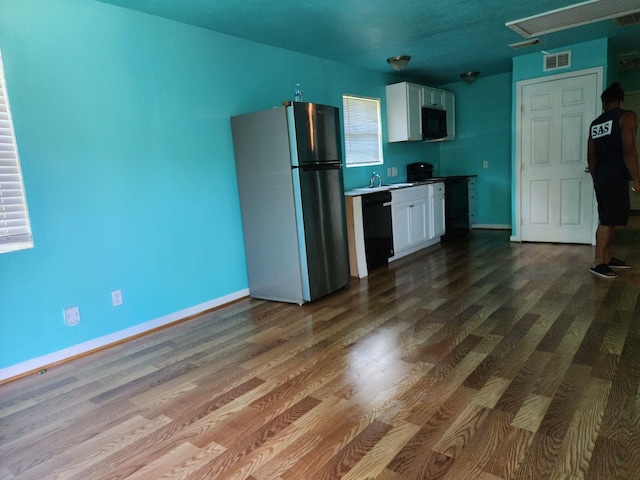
x=491, y=226
x=97, y=343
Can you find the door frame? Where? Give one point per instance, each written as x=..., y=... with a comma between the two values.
x=520, y=85
x=635, y=201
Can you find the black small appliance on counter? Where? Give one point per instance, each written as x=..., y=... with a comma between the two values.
x=456, y=198
x=417, y=172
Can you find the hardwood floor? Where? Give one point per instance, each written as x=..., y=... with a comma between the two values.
x=480, y=359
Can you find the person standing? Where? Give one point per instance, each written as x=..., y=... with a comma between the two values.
x=613, y=163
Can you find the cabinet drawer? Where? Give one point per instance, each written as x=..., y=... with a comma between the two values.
x=437, y=188
x=408, y=194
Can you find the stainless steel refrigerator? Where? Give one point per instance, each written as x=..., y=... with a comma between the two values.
x=289, y=170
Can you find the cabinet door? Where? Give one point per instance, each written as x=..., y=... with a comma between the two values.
x=437, y=216
x=433, y=97
x=400, y=216
x=450, y=107
x=404, y=112
x=414, y=107
x=472, y=201
x=419, y=219
x=437, y=226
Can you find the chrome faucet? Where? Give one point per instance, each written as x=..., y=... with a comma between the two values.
x=372, y=180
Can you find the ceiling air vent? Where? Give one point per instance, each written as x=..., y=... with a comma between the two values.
x=556, y=61
x=627, y=20
x=581, y=13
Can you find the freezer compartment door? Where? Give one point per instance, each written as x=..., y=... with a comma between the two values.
x=315, y=133
x=323, y=242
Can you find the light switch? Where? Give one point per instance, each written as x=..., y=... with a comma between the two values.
x=116, y=298
x=72, y=316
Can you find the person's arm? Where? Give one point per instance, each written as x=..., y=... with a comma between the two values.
x=592, y=160
x=628, y=125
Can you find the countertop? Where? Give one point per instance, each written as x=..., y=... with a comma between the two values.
x=394, y=186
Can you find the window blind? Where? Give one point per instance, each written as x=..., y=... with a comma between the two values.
x=362, y=130
x=15, y=229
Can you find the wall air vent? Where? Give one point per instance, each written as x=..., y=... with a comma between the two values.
x=556, y=61
x=627, y=20
x=573, y=16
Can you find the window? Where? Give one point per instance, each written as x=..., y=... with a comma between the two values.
x=15, y=230
x=362, y=131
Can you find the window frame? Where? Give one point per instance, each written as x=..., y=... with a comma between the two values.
x=15, y=226
x=353, y=158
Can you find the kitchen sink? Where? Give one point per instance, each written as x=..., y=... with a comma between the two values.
x=400, y=185
x=372, y=189
x=383, y=187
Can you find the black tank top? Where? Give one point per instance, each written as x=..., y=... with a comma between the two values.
x=607, y=139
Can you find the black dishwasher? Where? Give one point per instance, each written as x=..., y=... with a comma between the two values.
x=378, y=232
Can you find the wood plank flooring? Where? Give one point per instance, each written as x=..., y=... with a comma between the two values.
x=479, y=359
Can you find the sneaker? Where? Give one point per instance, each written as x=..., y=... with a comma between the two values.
x=617, y=263
x=603, y=271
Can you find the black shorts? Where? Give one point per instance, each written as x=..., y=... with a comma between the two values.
x=613, y=204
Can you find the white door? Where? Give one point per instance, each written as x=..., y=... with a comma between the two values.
x=632, y=102
x=556, y=199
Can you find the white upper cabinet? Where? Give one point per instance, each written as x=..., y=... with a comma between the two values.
x=450, y=107
x=404, y=110
x=433, y=97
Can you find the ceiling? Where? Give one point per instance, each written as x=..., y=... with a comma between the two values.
x=444, y=38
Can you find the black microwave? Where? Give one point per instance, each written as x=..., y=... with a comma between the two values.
x=434, y=123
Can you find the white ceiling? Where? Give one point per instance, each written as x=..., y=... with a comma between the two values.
x=444, y=38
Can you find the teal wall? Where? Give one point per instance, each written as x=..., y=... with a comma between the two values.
x=629, y=81
x=122, y=123
x=483, y=133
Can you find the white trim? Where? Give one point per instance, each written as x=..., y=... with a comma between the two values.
x=491, y=226
x=599, y=72
x=415, y=248
x=101, y=342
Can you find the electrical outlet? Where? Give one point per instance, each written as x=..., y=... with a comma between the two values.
x=389, y=172
x=116, y=297
x=485, y=164
x=72, y=316
x=394, y=171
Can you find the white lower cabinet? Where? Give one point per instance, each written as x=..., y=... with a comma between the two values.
x=437, y=209
x=409, y=224
x=418, y=218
